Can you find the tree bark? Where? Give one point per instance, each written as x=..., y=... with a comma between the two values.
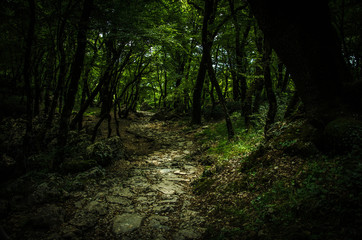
x=27, y=80
x=213, y=79
x=303, y=37
x=272, y=111
x=207, y=42
x=76, y=70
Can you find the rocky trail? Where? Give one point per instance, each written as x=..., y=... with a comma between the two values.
x=147, y=196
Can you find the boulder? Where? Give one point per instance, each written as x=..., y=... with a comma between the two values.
x=97, y=208
x=118, y=150
x=126, y=223
x=100, y=152
x=84, y=220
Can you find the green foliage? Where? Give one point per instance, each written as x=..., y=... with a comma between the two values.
x=244, y=143
x=320, y=202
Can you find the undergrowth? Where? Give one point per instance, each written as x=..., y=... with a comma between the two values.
x=253, y=192
x=244, y=142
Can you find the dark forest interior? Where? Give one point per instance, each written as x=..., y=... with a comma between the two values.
x=181, y=119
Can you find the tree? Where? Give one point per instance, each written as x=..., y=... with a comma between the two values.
x=27, y=79
x=76, y=71
x=310, y=49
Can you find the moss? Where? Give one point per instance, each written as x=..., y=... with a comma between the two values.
x=101, y=152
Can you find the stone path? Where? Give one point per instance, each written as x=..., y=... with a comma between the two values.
x=147, y=196
x=154, y=202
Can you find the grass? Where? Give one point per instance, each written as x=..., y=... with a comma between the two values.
x=278, y=195
x=245, y=141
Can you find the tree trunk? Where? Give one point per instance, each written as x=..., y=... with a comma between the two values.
x=207, y=43
x=272, y=111
x=213, y=79
x=311, y=51
x=27, y=80
x=76, y=70
x=292, y=106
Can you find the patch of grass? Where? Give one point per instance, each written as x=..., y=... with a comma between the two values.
x=92, y=111
x=245, y=141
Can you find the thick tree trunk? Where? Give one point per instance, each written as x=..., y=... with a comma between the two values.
x=76, y=70
x=302, y=35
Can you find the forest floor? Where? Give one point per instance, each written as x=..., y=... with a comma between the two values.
x=170, y=180
x=147, y=196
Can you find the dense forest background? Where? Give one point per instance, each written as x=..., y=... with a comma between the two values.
x=199, y=58
x=256, y=65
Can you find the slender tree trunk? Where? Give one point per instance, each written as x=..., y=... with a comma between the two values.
x=115, y=117
x=61, y=76
x=292, y=105
x=75, y=72
x=214, y=81
x=269, y=88
x=207, y=43
x=27, y=80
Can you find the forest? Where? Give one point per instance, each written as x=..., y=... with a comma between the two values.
x=181, y=119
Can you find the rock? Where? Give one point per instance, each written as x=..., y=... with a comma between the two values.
x=157, y=222
x=126, y=223
x=123, y=192
x=119, y=200
x=84, y=220
x=78, y=164
x=95, y=172
x=49, y=216
x=190, y=234
x=46, y=192
x=118, y=150
x=70, y=232
x=163, y=208
x=97, y=208
x=100, y=152
x=138, y=182
x=168, y=187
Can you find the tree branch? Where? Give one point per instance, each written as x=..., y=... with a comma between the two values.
x=227, y=18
